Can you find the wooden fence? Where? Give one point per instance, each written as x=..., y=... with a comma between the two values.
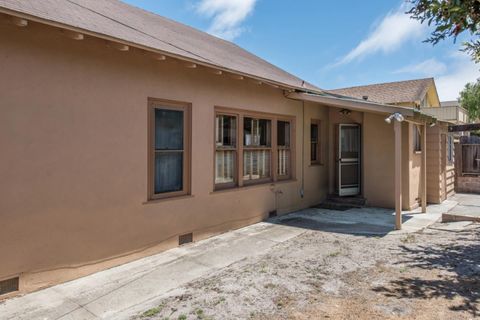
x=470, y=155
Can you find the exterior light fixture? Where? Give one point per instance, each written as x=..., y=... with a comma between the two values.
x=395, y=116
x=345, y=112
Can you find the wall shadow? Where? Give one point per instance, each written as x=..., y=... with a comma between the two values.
x=352, y=222
x=462, y=261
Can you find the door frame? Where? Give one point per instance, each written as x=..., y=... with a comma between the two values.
x=352, y=191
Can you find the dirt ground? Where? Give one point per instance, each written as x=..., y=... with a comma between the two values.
x=434, y=274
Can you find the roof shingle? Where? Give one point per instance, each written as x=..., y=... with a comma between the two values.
x=391, y=92
x=123, y=22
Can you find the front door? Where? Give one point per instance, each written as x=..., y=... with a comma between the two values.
x=349, y=159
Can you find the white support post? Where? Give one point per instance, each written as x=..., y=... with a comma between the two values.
x=398, y=174
x=424, y=169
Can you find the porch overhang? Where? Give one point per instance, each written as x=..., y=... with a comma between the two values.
x=409, y=114
x=352, y=104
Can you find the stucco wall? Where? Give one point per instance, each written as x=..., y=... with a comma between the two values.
x=316, y=176
x=379, y=163
x=73, y=131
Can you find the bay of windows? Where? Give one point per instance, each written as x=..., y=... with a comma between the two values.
x=262, y=154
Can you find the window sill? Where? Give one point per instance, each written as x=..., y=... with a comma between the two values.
x=253, y=186
x=417, y=152
x=316, y=165
x=182, y=197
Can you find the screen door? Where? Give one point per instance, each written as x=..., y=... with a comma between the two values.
x=349, y=159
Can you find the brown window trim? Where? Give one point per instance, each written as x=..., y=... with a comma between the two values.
x=290, y=148
x=241, y=114
x=227, y=185
x=155, y=103
x=319, y=160
x=415, y=130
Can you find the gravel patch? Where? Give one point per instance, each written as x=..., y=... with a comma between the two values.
x=433, y=274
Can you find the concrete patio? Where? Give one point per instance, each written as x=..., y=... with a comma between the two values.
x=468, y=208
x=121, y=292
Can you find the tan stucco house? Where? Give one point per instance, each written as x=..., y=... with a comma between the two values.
x=124, y=134
x=420, y=94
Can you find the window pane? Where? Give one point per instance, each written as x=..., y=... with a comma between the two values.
x=256, y=132
x=226, y=131
x=168, y=172
x=314, y=132
x=350, y=142
x=224, y=166
x=283, y=162
x=350, y=174
x=314, y=151
x=168, y=129
x=283, y=133
x=256, y=164
x=416, y=139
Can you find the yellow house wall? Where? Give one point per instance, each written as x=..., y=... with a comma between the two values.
x=433, y=97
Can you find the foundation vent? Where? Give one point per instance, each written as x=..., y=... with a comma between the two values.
x=9, y=285
x=272, y=214
x=185, y=238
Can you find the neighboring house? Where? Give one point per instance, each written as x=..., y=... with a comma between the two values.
x=422, y=95
x=124, y=134
x=418, y=93
x=449, y=111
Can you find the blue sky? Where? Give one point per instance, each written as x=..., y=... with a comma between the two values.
x=332, y=44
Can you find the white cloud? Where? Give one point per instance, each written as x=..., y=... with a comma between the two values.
x=227, y=16
x=461, y=71
x=390, y=34
x=429, y=68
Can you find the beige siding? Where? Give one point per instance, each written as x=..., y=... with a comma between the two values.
x=440, y=174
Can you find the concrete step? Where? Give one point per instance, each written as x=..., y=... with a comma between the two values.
x=334, y=202
x=334, y=206
x=357, y=201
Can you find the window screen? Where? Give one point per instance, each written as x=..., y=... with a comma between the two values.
x=169, y=150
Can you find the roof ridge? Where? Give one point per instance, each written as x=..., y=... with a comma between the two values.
x=382, y=83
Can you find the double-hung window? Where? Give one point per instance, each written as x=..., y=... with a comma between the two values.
x=169, y=149
x=417, y=139
x=283, y=149
x=225, y=150
x=315, y=145
x=251, y=148
x=450, y=149
x=257, y=149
